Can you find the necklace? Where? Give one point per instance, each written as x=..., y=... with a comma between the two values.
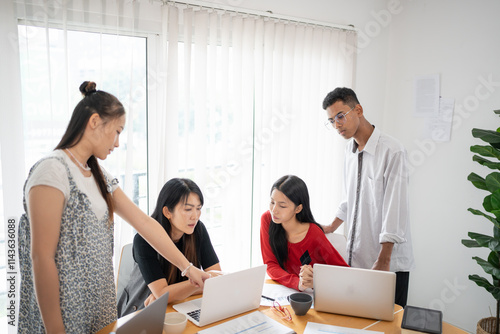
x=86, y=168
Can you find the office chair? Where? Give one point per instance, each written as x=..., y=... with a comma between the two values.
x=339, y=241
x=124, y=269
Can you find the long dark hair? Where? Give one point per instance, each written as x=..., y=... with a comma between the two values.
x=296, y=190
x=175, y=191
x=108, y=108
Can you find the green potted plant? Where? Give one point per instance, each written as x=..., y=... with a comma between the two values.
x=488, y=156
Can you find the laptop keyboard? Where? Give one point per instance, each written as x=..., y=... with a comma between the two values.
x=195, y=314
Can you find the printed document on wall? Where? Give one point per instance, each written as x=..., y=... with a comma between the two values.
x=438, y=128
x=426, y=95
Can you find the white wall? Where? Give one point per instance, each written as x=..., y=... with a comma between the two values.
x=459, y=41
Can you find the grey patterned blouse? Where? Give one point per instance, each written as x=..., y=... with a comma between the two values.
x=83, y=259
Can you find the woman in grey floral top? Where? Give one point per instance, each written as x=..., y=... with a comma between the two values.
x=66, y=234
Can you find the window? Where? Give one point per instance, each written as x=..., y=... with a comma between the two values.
x=208, y=120
x=234, y=104
x=54, y=63
x=244, y=98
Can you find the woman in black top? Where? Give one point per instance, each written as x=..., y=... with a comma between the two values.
x=178, y=210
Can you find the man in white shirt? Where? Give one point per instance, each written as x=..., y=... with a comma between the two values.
x=375, y=204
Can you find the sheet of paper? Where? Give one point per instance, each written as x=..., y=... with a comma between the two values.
x=426, y=95
x=279, y=293
x=316, y=328
x=438, y=128
x=252, y=323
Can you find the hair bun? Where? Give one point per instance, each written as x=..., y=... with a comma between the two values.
x=87, y=88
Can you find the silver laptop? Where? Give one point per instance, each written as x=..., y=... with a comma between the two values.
x=352, y=291
x=148, y=321
x=225, y=296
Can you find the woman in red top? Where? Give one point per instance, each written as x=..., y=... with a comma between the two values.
x=288, y=230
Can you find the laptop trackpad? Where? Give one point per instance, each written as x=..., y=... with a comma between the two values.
x=189, y=306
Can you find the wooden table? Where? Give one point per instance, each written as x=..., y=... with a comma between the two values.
x=299, y=323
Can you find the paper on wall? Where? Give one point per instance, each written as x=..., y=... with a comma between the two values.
x=438, y=128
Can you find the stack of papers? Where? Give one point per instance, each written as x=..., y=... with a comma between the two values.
x=279, y=293
x=315, y=328
x=252, y=323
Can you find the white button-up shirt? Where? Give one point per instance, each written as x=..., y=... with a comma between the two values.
x=383, y=212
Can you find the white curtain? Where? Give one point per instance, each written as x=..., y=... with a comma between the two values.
x=12, y=163
x=207, y=112
x=63, y=44
x=234, y=103
x=302, y=65
x=241, y=108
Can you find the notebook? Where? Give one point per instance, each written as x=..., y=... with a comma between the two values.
x=148, y=321
x=225, y=296
x=353, y=291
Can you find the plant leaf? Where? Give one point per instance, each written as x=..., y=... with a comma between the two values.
x=497, y=111
x=486, y=151
x=495, y=200
x=486, y=162
x=483, y=282
x=495, y=282
x=470, y=243
x=494, y=260
x=487, y=203
x=493, y=181
x=491, y=203
x=480, y=213
x=488, y=136
x=482, y=239
x=488, y=267
x=494, y=245
x=477, y=181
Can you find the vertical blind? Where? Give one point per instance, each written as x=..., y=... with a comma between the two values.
x=234, y=103
x=242, y=107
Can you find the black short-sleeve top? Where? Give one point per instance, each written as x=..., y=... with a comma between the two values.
x=153, y=268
